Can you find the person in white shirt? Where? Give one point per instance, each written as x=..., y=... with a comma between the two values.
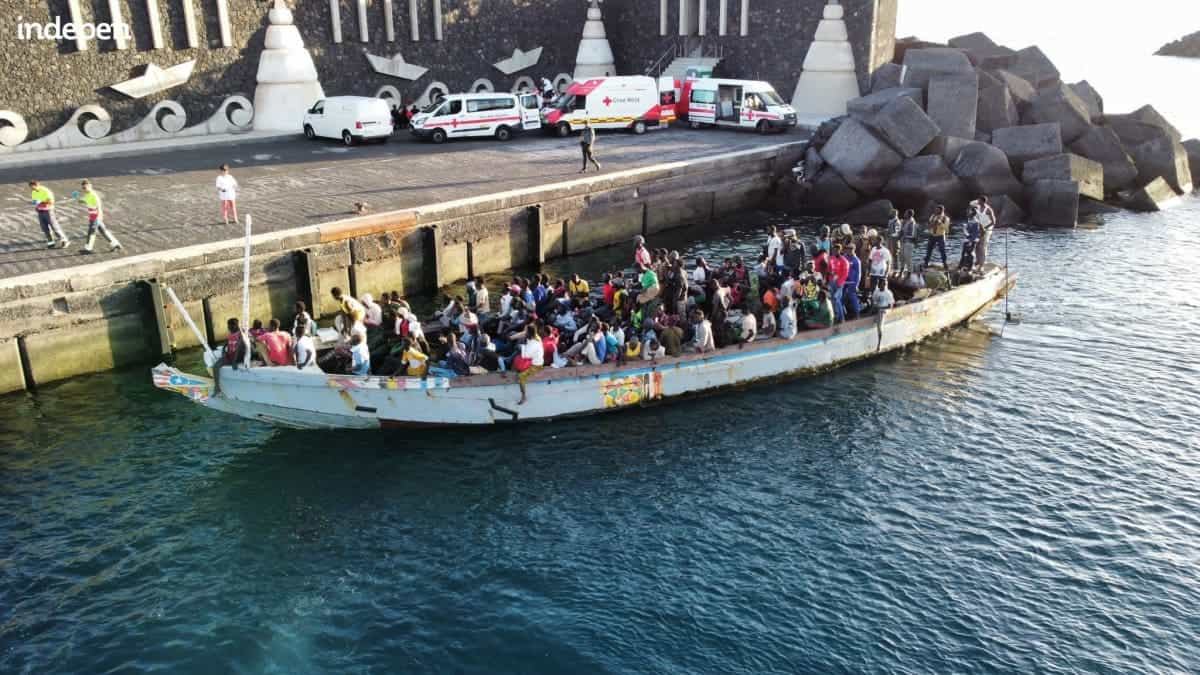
x=703, y=340
x=304, y=351
x=881, y=263
x=374, y=317
x=652, y=350
x=700, y=274
x=749, y=330
x=987, y=220
x=227, y=188
x=360, y=355
x=788, y=288
x=768, y=324
x=482, y=301
x=532, y=350
x=303, y=318
x=882, y=298
x=787, y=320
x=774, y=245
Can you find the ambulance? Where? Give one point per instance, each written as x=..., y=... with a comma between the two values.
x=498, y=115
x=742, y=104
x=635, y=103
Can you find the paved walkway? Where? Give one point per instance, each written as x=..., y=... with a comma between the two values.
x=163, y=201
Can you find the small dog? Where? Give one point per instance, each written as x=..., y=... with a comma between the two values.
x=361, y=207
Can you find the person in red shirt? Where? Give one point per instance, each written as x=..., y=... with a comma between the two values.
x=839, y=269
x=275, y=345
x=549, y=341
x=610, y=290
x=820, y=263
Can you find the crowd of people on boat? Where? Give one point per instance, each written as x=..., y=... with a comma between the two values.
x=659, y=308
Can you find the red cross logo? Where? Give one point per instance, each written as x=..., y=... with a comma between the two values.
x=454, y=122
x=607, y=100
x=749, y=114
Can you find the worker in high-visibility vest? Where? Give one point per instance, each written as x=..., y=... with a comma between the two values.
x=91, y=199
x=43, y=201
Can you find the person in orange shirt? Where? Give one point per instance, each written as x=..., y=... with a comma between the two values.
x=771, y=299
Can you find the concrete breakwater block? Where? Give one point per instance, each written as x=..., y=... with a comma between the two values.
x=953, y=102
x=1087, y=174
x=1102, y=145
x=983, y=51
x=905, y=126
x=1054, y=203
x=922, y=65
x=947, y=147
x=1154, y=196
x=887, y=76
x=1091, y=98
x=1036, y=68
x=1022, y=144
x=1159, y=155
x=924, y=179
x=865, y=108
x=1192, y=147
x=1148, y=115
x=1008, y=212
x=863, y=160
x=878, y=212
x=1059, y=104
x=830, y=193
x=996, y=107
x=985, y=170
x=1022, y=91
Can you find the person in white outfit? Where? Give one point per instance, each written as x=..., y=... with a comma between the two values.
x=227, y=188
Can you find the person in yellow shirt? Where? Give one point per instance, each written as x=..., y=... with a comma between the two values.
x=353, y=312
x=43, y=201
x=939, y=227
x=91, y=199
x=416, y=361
x=578, y=289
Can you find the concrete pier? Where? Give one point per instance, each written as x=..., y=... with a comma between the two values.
x=60, y=323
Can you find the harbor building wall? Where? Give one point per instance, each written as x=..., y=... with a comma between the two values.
x=58, y=324
x=46, y=81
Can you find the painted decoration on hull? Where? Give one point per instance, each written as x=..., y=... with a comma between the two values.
x=619, y=392
x=198, y=389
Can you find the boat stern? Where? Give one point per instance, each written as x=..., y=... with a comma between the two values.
x=197, y=389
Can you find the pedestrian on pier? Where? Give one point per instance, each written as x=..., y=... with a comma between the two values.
x=587, y=142
x=43, y=201
x=227, y=188
x=91, y=199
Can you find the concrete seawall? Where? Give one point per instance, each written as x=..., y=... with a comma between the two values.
x=92, y=318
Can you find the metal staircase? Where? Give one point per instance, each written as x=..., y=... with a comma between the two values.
x=687, y=54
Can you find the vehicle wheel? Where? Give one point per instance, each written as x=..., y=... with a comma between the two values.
x=503, y=134
x=694, y=125
x=347, y=138
x=762, y=127
x=308, y=132
x=562, y=129
x=438, y=136
x=639, y=127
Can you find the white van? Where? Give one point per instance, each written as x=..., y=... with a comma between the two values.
x=494, y=114
x=350, y=118
x=629, y=102
x=746, y=104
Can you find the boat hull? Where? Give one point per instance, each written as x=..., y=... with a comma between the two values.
x=309, y=399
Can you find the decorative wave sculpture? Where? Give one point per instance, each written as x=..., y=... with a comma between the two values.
x=390, y=94
x=90, y=126
x=15, y=130
x=481, y=85
x=524, y=83
x=234, y=116
x=433, y=92
x=562, y=81
x=165, y=119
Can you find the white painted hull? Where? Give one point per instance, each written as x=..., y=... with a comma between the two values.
x=310, y=399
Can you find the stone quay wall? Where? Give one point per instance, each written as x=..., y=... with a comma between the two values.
x=46, y=81
x=55, y=325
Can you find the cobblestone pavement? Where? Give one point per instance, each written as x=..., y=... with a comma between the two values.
x=157, y=202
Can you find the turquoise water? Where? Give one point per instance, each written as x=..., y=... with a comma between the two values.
x=1023, y=502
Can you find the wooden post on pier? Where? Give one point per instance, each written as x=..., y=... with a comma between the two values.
x=158, y=300
x=535, y=218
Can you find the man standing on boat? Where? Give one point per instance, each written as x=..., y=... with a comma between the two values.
x=987, y=220
x=839, y=271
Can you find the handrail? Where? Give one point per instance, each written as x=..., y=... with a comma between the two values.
x=657, y=67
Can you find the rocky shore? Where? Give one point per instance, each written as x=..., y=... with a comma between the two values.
x=1187, y=46
x=943, y=124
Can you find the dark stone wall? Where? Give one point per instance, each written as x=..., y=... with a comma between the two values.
x=46, y=81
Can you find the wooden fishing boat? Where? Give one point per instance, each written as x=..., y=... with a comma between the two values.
x=289, y=397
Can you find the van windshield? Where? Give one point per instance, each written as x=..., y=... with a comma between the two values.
x=770, y=97
x=569, y=102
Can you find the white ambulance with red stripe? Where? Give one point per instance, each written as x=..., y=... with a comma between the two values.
x=634, y=102
x=743, y=104
x=499, y=115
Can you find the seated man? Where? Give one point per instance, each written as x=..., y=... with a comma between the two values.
x=823, y=316
x=275, y=346
x=883, y=298
x=360, y=356
x=702, y=341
